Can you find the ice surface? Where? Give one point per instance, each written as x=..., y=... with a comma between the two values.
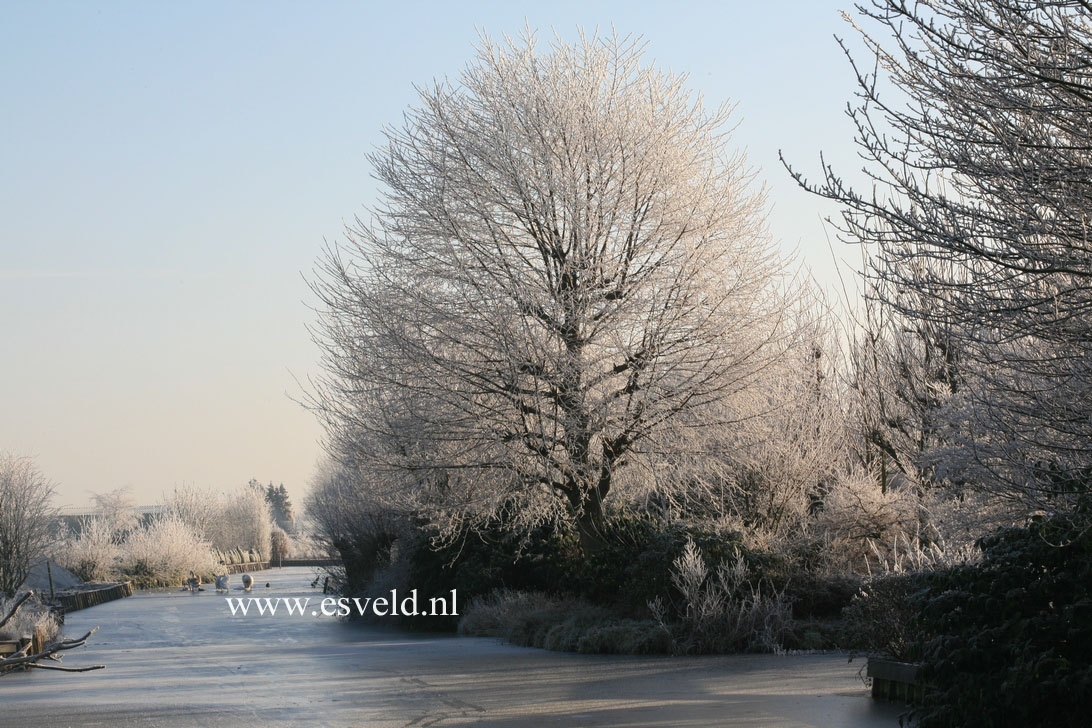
x=175, y=658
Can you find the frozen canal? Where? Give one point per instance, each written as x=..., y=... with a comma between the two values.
x=179, y=659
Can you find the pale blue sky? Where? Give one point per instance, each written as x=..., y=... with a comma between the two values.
x=171, y=170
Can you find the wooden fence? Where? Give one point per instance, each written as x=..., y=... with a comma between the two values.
x=73, y=601
x=243, y=568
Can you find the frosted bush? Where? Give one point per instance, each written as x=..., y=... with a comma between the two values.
x=859, y=518
x=493, y=614
x=92, y=554
x=857, y=508
x=32, y=615
x=724, y=610
x=167, y=549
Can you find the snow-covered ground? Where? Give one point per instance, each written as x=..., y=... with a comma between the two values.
x=181, y=659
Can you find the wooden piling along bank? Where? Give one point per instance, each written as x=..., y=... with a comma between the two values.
x=76, y=600
x=243, y=568
x=309, y=562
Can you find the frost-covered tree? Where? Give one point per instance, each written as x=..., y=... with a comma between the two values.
x=353, y=519
x=244, y=522
x=568, y=270
x=975, y=132
x=25, y=513
x=117, y=509
x=239, y=519
x=200, y=508
x=771, y=468
x=905, y=375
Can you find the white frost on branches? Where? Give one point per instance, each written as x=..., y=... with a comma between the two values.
x=569, y=271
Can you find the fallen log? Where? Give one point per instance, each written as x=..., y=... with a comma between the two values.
x=66, y=669
x=23, y=659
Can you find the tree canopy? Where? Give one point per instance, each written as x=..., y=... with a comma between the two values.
x=567, y=276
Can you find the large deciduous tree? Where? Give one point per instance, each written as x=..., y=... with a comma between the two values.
x=568, y=269
x=976, y=130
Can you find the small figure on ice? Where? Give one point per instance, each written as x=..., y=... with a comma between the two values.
x=193, y=583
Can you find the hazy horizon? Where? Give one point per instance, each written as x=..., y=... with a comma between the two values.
x=173, y=172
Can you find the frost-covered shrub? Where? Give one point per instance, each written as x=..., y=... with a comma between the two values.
x=859, y=519
x=910, y=556
x=533, y=619
x=879, y=620
x=725, y=610
x=92, y=554
x=857, y=508
x=627, y=637
x=167, y=549
x=32, y=616
x=490, y=616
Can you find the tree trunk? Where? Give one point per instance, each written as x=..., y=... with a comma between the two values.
x=591, y=527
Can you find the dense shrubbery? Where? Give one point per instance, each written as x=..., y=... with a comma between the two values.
x=659, y=587
x=880, y=619
x=162, y=551
x=1005, y=640
x=197, y=531
x=534, y=619
x=723, y=609
x=166, y=549
x=633, y=568
x=706, y=587
x=92, y=553
x=1008, y=641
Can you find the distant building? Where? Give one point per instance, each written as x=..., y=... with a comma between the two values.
x=72, y=516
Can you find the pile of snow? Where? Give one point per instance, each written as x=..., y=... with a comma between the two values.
x=38, y=579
